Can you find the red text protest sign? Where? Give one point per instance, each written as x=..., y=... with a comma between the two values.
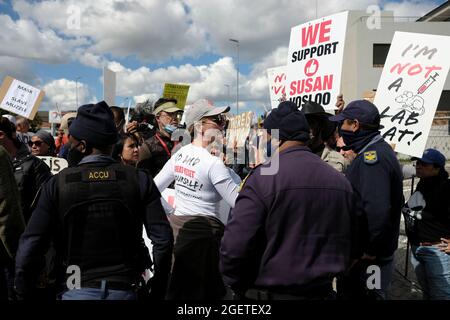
x=314, y=63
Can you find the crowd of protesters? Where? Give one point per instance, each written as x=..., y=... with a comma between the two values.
x=312, y=207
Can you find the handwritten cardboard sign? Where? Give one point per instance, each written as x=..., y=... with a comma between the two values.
x=20, y=98
x=410, y=87
x=239, y=129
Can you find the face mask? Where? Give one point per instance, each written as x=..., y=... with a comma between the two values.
x=74, y=156
x=169, y=128
x=348, y=136
x=357, y=140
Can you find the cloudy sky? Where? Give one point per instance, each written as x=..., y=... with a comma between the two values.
x=52, y=44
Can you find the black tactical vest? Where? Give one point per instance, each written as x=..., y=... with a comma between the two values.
x=99, y=208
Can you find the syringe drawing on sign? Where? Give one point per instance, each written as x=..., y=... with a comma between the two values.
x=427, y=83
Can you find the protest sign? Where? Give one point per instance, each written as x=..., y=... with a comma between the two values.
x=109, y=86
x=410, y=87
x=239, y=129
x=176, y=91
x=20, y=98
x=55, y=164
x=54, y=116
x=277, y=85
x=314, y=63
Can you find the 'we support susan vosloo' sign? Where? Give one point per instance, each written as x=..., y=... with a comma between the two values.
x=314, y=63
x=410, y=87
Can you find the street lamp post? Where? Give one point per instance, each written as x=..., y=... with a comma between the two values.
x=76, y=91
x=237, y=74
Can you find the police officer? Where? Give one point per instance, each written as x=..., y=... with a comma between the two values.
x=290, y=229
x=376, y=177
x=94, y=213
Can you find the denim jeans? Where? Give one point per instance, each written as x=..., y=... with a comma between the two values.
x=432, y=268
x=102, y=293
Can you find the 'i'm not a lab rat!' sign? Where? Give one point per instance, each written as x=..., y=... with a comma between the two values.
x=410, y=87
x=314, y=63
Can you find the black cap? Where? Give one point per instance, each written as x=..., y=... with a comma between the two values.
x=362, y=110
x=313, y=108
x=289, y=120
x=95, y=124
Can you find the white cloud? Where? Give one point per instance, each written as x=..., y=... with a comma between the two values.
x=23, y=39
x=260, y=26
x=159, y=30
x=64, y=93
x=412, y=8
x=144, y=97
x=19, y=69
x=151, y=30
x=206, y=81
x=89, y=59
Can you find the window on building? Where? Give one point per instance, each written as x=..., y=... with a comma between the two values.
x=444, y=101
x=380, y=52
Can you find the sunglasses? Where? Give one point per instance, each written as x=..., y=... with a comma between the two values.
x=219, y=119
x=344, y=148
x=37, y=143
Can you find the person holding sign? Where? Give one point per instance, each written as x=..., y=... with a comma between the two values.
x=377, y=179
x=22, y=130
x=427, y=217
x=157, y=150
x=30, y=172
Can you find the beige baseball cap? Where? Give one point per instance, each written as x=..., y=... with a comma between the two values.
x=167, y=107
x=65, y=121
x=200, y=109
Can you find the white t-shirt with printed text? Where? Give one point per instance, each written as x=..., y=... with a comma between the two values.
x=201, y=182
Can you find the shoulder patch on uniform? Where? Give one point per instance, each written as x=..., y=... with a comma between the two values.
x=370, y=157
x=98, y=174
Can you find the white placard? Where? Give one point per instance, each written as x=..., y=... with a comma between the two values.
x=55, y=164
x=54, y=116
x=109, y=86
x=410, y=87
x=314, y=63
x=277, y=85
x=20, y=98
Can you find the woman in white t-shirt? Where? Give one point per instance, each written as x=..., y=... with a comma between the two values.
x=201, y=182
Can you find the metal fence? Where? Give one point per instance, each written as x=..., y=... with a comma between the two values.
x=439, y=137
